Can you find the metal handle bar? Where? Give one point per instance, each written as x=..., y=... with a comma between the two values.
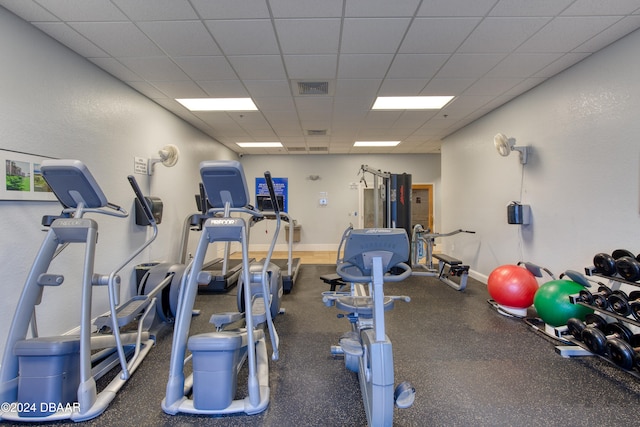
x=365, y=279
x=451, y=233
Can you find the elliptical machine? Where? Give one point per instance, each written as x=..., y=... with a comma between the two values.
x=372, y=257
x=54, y=377
x=217, y=356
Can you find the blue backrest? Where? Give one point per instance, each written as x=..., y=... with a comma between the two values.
x=224, y=181
x=72, y=183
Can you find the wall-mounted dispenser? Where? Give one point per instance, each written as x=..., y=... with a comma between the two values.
x=518, y=214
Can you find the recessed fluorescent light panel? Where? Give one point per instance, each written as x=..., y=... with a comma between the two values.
x=410, y=102
x=259, y=144
x=376, y=143
x=218, y=104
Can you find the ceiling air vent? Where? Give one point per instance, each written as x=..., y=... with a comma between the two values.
x=316, y=132
x=318, y=149
x=296, y=149
x=313, y=88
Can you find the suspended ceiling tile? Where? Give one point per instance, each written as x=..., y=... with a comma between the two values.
x=275, y=103
x=561, y=64
x=181, y=38
x=258, y=67
x=441, y=8
x=206, y=67
x=180, y=89
x=28, y=10
x=154, y=68
x=306, y=8
x=245, y=37
x=231, y=9
x=83, y=10
x=529, y=8
x=410, y=120
x=308, y=36
x=491, y=86
x=591, y=8
x=501, y=35
x=402, y=87
x=156, y=10
x=358, y=87
x=118, y=39
x=564, y=34
x=437, y=35
x=465, y=104
x=522, y=64
x=311, y=67
x=312, y=103
x=368, y=66
x=224, y=88
x=373, y=35
x=467, y=65
x=381, y=8
x=447, y=86
x=268, y=88
x=315, y=115
x=416, y=66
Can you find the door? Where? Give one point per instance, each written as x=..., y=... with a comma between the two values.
x=422, y=205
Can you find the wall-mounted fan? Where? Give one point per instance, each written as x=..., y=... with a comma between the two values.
x=506, y=145
x=168, y=157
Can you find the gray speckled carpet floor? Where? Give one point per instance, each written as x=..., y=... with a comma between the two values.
x=470, y=367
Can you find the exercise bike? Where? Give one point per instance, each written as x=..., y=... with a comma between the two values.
x=217, y=356
x=422, y=242
x=47, y=378
x=372, y=257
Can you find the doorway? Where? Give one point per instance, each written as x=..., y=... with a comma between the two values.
x=422, y=205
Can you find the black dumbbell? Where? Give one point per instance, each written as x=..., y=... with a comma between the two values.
x=623, y=353
x=621, y=304
x=575, y=326
x=605, y=264
x=598, y=299
x=619, y=253
x=629, y=268
x=596, y=339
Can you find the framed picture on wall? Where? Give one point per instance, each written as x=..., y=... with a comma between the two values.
x=21, y=178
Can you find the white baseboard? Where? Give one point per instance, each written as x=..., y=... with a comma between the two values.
x=480, y=277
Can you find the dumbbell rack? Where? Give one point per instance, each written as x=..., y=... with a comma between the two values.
x=614, y=284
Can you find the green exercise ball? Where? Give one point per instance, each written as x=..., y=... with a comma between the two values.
x=552, y=302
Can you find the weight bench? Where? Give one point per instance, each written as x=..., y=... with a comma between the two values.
x=334, y=280
x=449, y=266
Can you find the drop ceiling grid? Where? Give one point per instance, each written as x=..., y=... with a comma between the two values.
x=485, y=52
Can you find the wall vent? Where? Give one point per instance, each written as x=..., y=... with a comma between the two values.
x=316, y=132
x=313, y=88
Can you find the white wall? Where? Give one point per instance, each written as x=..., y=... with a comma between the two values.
x=322, y=226
x=55, y=103
x=581, y=180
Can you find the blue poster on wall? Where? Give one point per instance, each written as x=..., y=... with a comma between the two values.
x=280, y=186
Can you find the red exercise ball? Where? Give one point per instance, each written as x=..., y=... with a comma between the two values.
x=512, y=286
